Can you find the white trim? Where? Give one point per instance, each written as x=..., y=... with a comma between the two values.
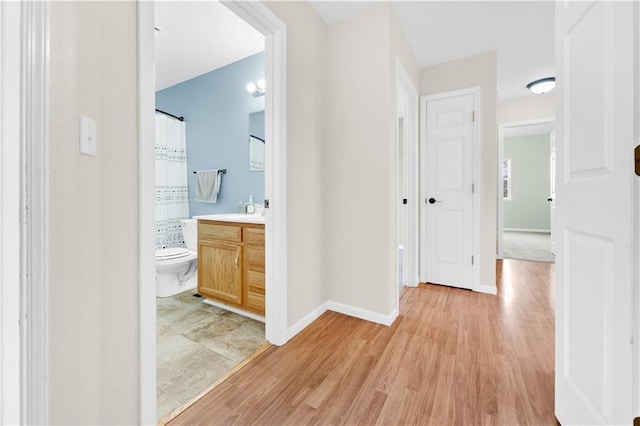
x=477, y=139
x=24, y=71
x=35, y=211
x=487, y=289
x=341, y=308
x=502, y=129
x=261, y=18
x=275, y=32
x=635, y=406
x=412, y=167
x=363, y=314
x=540, y=231
x=10, y=168
x=234, y=310
x=146, y=206
x=306, y=320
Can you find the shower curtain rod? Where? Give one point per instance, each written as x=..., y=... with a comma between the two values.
x=170, y=115
x=260, y=139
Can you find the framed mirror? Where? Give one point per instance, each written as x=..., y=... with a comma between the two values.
x=256, y=141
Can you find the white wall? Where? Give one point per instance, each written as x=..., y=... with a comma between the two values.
x=479, y=70
x=306, y=127
x=532, y=107
x=358, y=177
x=93, y=228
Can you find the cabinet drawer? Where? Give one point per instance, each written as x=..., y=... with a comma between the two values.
x=254, y=236
x=219, y=232
x=255, y=257
x=255, y=281
x=255, y=301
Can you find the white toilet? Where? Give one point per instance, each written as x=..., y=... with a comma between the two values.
x=177, y=267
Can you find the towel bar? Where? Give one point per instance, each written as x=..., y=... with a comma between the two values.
x=223, y=171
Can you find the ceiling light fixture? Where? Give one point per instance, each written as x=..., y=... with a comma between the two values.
x=543, y=85
x=257, y=89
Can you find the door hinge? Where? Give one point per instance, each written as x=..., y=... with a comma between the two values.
x=473, y=116
x=472, y=260
x=473, y=188
x=636, y=155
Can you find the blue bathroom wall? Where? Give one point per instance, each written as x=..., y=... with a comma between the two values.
x=216, y=108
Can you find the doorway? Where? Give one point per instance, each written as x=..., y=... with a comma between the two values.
x=407, y=196
x=274, y=30
x=526, y=201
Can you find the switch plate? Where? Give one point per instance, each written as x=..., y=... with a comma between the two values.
x=87, y=136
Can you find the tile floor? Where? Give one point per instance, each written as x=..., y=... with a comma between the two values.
x=196, y=344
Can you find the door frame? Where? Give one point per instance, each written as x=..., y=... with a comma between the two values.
x=262, y=19
x=502, y=129
x=406, y=89
x=477, y=129
x=24, y=114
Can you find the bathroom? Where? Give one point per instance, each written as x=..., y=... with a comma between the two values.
x=209, y=128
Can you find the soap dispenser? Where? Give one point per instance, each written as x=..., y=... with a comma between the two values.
x=251, y=208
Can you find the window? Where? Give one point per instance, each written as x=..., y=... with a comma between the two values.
x=506, y=179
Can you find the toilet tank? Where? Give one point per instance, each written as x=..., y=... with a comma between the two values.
x=190, y=233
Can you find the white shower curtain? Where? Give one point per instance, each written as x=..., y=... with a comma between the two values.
x=172, y=192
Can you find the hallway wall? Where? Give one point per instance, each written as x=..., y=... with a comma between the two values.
x=93, y=215
x=306, y=130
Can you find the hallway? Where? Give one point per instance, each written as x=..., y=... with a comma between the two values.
x=452, y=357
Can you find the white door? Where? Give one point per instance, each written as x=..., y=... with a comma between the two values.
x=552, y=192
x=449, y=190
x=595, y=105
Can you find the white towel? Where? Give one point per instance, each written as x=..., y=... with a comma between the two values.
x=207, y=185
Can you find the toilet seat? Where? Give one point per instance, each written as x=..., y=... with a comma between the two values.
x=170, y=256
x=172, y=253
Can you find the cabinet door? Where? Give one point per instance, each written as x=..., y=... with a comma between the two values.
x=220, y=271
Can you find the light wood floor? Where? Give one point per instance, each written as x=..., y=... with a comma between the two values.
x=451, y=357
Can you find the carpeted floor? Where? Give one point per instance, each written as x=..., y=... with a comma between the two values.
x=533, y=246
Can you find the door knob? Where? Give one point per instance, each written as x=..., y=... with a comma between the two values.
x=433, y=201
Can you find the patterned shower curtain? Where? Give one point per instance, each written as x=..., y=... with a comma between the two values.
x=172, y=192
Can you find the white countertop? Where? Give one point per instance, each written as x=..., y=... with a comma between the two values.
x=233, y=217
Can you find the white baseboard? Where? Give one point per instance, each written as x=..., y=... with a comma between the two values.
x=541, y=231
x=363, y=313
x=487, y=289
x=306, y=320
x=341, y=308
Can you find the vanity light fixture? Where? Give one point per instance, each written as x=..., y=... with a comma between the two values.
x=543, y=85
x=257, y=89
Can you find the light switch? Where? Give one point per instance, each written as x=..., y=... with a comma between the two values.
x=87, y=136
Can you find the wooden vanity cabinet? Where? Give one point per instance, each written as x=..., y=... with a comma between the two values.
x=231, y=263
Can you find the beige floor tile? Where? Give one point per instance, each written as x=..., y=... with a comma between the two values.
x=238, y=344
x=170, y=347
x=165, y=403
x=192, y=372
x=210, y=329
x=198, y=343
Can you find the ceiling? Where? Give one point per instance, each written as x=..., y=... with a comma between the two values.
x=521, y=32
x=198, y=37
